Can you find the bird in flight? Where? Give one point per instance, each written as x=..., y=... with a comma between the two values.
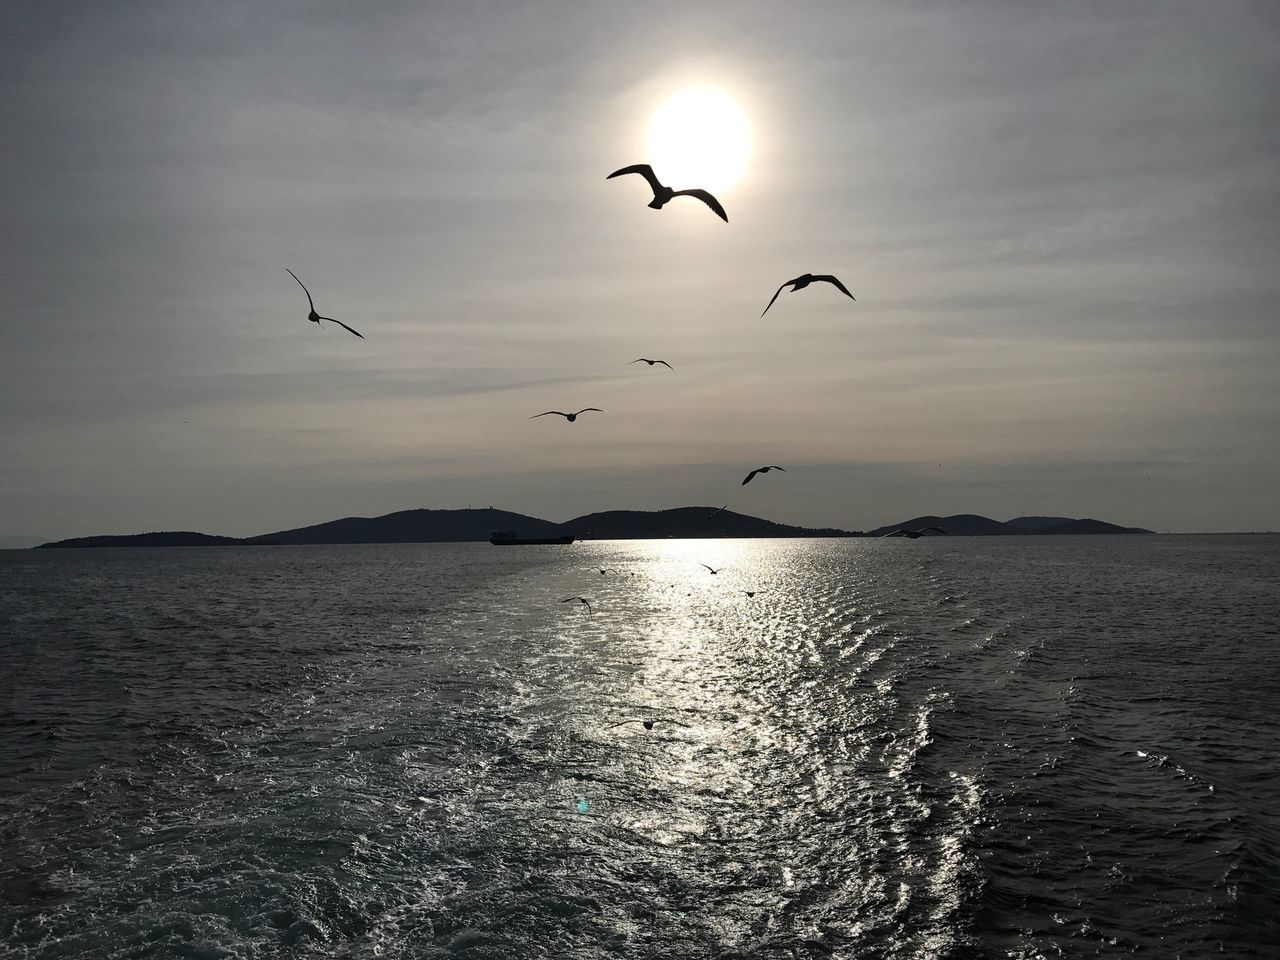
x=652, y=362
x=749, y=593
x=315, y=317
x=802, y=281
x=582, y=600
x=914, y=534
x=762, y=470
x=712, y=569
x=568, y=416
x=662, y=194
x=648, y=723
x=717, y=512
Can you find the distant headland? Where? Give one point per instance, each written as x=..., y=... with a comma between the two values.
x=461, y=526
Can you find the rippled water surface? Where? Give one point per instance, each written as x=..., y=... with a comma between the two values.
x=1009, y=747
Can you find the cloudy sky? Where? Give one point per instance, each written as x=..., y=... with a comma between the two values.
x=1061, y=222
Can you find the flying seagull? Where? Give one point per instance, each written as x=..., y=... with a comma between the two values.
x=662, y=194
x=762, y=470
x=648, y=724
x=712, y=569
x=652, y=362
x=802, y=281
x=582, y=600
x=315, y=317
x=913, y=534
x=568, y=416
x=749, y=593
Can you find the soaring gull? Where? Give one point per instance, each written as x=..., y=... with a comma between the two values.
x=802, y=281
x=315, y=317
x=568, y=416
x=752, y=474
x=662, y=194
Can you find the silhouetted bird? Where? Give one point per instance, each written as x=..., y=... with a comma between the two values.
x=315, y=317
x=582, y=600
x=652, y=362
x=712, y=569
x=802, y=281
x=717, y=512
x=914, y=534
x=749, y=593
x=761, y=470
x=568, y=416
x=662, y=194
x=648, y=724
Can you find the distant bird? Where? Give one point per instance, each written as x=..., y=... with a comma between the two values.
x=721, y=510
x=603, y=571
x=582, y=600
x=712, y=569
x=652, y=362
x=749, y=593
x=568, y=416
x=802, y=281
x=648, y=723
x=315, y=317
x=761, y=470
x=662, y=194
x=914, y=534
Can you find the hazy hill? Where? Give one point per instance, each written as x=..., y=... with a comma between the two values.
x=1091, y=526
x=971, y=525
x=452, y=526
x=1036, y=524
x=683, y=522
x=962, y=524
x=20, y=543
x=415, y=526
x=183, y=538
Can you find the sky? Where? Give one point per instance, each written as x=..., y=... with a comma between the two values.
x=1061, y=223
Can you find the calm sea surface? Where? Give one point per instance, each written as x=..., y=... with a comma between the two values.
x=1039, y=747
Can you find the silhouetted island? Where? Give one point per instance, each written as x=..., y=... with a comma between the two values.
x=460, y=526
x=182, y=538
x=972, y=525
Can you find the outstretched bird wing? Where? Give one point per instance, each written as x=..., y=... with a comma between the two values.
x=706, y=198
x=749, y=477
x=644, y=170
x=712, y=569
x=612, y=725
x=641, y=360
x=721, y=510
x=310, y=302
x=775, y=295
x=774, y=466
x=833, y=280
x=558, y=413
x=585, y=409
x=344, y=326
x=665, y=364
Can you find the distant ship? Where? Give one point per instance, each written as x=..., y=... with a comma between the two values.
x=508, y=538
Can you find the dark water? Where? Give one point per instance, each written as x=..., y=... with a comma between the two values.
x=1024, y=748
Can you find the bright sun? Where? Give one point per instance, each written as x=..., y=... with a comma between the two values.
x=699, y=138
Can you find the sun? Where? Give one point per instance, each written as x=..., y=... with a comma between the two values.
x=699, y=138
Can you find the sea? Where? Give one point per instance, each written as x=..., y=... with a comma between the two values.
x=1017, y=747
